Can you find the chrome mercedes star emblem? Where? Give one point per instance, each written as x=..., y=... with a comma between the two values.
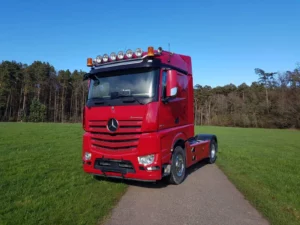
x=112, y=125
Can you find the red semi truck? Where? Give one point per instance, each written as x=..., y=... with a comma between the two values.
x=139, y=117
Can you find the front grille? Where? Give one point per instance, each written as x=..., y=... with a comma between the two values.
x=116, y=166
x=125, y=138
x=125, y=126
x=108, y=141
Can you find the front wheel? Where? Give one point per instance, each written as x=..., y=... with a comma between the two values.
x=178, y=167
x=212, y=152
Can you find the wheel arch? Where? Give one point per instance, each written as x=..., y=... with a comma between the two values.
x=178, y=140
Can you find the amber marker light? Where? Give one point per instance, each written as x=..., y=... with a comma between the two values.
x=89, y=62
x=150, y=51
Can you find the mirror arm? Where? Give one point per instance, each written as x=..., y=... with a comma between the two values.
x=88, y=76
x=165, y=100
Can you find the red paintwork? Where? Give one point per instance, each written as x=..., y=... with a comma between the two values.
x=145, y=129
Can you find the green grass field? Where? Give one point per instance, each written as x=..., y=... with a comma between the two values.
x=42, y=182
x=264, y=164
x=41, y=177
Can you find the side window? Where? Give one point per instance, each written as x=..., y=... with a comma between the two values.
x=164, y=83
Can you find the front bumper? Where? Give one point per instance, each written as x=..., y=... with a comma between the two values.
x=111, y=168
x=124, y=164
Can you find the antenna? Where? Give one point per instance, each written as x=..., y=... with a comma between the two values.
x=169, y=52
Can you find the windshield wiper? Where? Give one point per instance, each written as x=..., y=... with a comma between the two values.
x=99, y=101
x=115, y=95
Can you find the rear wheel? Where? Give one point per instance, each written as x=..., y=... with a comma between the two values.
x=212, y=152
x=178, y=167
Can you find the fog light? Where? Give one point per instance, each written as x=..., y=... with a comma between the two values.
x=146, y=160
x=87, y=156
x=152, y=168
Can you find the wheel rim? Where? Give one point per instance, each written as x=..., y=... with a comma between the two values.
x=213, y=151
x=179, y=165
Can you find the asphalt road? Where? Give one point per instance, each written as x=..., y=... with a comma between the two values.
x=206, y=197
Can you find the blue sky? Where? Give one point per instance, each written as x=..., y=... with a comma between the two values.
x=226, y=39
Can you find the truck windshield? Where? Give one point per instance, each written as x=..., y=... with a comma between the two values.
x=126, y=86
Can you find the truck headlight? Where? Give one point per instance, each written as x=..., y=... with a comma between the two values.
x=146, y=160
x=87, y=156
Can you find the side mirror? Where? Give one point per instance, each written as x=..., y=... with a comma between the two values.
x=171, y=84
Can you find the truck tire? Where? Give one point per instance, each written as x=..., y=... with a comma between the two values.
x=178, y=167
x=213, y=149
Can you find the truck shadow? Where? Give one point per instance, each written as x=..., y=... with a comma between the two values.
x=153, y=185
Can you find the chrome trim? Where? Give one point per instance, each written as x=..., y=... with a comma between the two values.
x=119, y=63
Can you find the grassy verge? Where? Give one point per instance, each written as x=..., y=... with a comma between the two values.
x=41, y=178
x=264, y=165
x=42, y=182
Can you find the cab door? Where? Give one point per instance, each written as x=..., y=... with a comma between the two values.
x=173, y=113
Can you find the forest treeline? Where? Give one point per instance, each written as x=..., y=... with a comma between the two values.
x=39, y=93
x=273, y=101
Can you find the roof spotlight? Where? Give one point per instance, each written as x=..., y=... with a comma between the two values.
x=105, y=58
x=159, y=50
x=113, y=56
x=129, y=53
x=98, y=59
x=138, y=52
x=120, y=55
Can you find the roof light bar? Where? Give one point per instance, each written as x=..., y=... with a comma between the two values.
x=121, y=55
